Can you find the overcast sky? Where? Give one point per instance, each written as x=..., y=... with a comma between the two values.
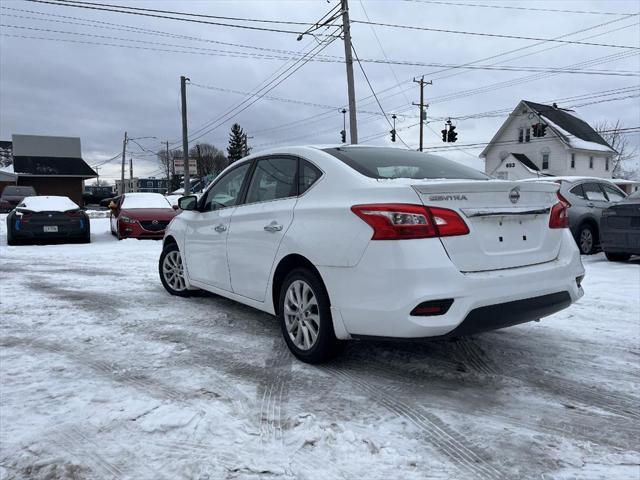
x=97, y=91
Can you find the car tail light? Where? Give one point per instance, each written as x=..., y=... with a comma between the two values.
x=391, y=221
x=563, y=200
x=432, y=308
x=559, y=216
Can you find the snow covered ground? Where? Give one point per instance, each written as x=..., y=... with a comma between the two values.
x=104, y=375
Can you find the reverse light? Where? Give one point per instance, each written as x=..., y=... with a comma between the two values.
x=559, y=216
x=432, y=308
x=391, y=221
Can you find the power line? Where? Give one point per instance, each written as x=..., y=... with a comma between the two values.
x=511, y=7
x=494, y=35
x=373, y=92
x=153, y=15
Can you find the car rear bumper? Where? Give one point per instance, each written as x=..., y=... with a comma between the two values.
x=375, y=298
x=620, y=240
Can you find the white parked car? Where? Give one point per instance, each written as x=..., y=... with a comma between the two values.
x=370, y=242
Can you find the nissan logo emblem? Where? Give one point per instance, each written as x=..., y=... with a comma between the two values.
x=514, y=195
x=154, y=222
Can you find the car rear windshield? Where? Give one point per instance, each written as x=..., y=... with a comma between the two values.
x=145, y=200
x=383, y=163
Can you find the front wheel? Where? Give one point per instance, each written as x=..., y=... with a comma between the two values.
x=171, y=271
x=587, y=240
x=305, y=317
x=617, y=257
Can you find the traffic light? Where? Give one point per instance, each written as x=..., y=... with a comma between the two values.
x=343, y=135
x=542, y=131
x=453, y=136
x=444, y=134
x=393, y=135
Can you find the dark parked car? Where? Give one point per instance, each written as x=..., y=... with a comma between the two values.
x=12, y=195
x=587, y=198
x=47, y=219
x=620, y=229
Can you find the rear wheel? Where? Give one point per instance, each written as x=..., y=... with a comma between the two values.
x=617, y=257
x=587, y=239
x=10, y=240
x=171, y=271
x=305, y=317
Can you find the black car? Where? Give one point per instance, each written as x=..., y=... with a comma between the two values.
x=620, y=229
x=47, y=219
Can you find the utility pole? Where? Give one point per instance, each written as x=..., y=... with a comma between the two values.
x=423, y=115
x=124, y=150
x=131, y=174
x=169, y=168
x=185, y=138
x=348, y=57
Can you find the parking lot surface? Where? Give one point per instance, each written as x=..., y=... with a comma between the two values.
x=103, y=375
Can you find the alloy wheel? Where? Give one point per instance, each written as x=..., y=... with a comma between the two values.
x=586, y=240
x=301, y=315
x=173, y=271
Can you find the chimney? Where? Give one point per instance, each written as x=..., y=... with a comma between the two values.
x=555, y=105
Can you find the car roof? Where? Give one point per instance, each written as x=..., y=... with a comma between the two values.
x=567, y=178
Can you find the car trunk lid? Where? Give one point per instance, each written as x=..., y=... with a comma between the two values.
x=508, y=222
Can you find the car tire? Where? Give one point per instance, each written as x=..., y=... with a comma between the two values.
x=617, y=257
x=587, y=239
x=171, y=272
x=302, y=322
x=12, y=242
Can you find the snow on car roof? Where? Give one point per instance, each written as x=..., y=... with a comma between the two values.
x=144, y=200
x=48, y=203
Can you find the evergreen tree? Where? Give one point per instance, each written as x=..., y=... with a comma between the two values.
x=236, y=149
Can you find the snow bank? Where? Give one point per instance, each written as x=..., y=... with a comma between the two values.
x=48, y=204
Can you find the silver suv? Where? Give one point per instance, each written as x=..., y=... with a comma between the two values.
x=587, y=198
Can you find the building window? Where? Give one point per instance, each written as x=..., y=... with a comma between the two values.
x=573, y=160
x=520, y=135
x=149, y=184
x=606, y=164
x=590, y=162
x=545, y=161
x=527, y=137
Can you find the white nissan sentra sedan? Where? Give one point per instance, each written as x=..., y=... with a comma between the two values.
x=371, y=242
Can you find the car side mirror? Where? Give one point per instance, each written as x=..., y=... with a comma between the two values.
x=175, y=207
x=190, y=202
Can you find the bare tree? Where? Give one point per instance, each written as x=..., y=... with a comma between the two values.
x=211, y=160
x=166, y=162
x=613, y=133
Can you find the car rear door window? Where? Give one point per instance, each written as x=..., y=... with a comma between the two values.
x=593, y=192
x=308, y=175
x=578, y=191
x=612, y=193
x=226, y=191
x=273, y=178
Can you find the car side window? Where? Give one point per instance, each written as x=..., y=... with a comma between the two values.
x=613, y=194
x=273, y=178
x=578, y=192
x=226, y=191
x=308, y=175
x=593, y=192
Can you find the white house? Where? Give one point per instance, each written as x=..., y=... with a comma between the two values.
x=570, y=146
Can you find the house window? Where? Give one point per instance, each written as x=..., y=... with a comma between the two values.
x=573, y=160
x=606, y=164
x=545, y=161
x=527, y=137
x=520, y=135
x=590, y=162
x=149, y=184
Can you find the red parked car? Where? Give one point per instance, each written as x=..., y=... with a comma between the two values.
x=140, y=215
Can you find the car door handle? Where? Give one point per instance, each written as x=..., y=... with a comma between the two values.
x=220, y=228
x=590, y=204
x=273, y=227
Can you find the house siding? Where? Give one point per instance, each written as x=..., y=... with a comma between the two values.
x=62, y=186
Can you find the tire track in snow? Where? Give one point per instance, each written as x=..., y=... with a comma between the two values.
x=275, y=392
x=445, y=439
